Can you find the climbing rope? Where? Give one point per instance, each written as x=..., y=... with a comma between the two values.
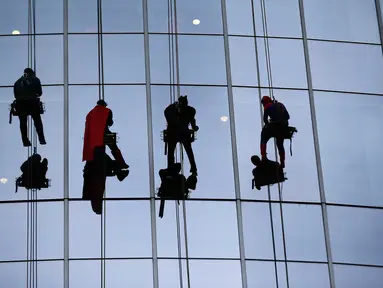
x=32, y=273
x=101, y=96
x=270, y=84
x=174, y=94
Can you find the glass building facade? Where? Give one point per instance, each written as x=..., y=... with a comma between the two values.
x=321, y=228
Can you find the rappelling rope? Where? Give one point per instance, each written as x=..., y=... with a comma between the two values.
x=270, y=84
x=184, y=189
x=173, y=100
x=31, y=193
x=261, y=113
x=101, y=96
x=174, y=84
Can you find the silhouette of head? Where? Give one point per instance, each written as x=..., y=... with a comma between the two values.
x=183, y=101
x=102, y=103
x=265, y=100
x=255, y=160
x=28, y=72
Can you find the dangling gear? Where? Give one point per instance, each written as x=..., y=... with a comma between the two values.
x=266, y=172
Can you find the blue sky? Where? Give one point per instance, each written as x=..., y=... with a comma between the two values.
x=348, y=92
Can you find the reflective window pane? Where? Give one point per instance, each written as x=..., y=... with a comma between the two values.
x=218, y=222
x=346, y=67
x=355, y=235
x=158, y=16
x=49, y=16
x=354, y=276
x=257, y=234
x=132, y=273
x=282, y=16
x=50, y=225
x=124, y=59
x=168, y=273
x=128, y=229
x=308, y=275
x=83, y=67
x=84, y=231
x=13, y=274
x=82, y=99
x=88, y=272
x=208, y=13
x=13, y=56
x=14, y=16
x=13, y=240
x=300, y=167
x=128, y=104
x=122, y=16
x=49, y=62
x=242, y=61
x=349, y=20
x=159, y=59
x=82, y=16
x=350, y=168
x=304, y=232
x=261, y=274
x=213, y=139
x=288, y=68
x=239, y=17
x=215, y=274
x=202, y=60
x=167, y=245
x=50, y=274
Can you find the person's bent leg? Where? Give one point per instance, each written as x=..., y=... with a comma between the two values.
x=24, y=130
x=116, y=152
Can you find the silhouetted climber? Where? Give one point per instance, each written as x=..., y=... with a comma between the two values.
x=27, y=91
x=98, y=121
x=266, y=172
x=174, y=185
x=98, y=164
x=95, y=173
x=179, y=116
x=278, y=126
x=34, y=173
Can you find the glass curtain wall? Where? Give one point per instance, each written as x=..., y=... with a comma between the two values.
x=321, y=228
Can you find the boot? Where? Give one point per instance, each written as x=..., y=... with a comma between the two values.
x=27, y=143
x=121, y=175
x=120, y=160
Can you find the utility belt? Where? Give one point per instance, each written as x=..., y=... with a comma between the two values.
x=14, y=109
x=190, y=134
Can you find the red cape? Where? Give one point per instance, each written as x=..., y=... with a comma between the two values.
x=94, y=131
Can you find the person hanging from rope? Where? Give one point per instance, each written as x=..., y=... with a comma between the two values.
x=27, y=91
x=98, y=166
x=277, y=128
x=179, y=116
x=98, y=121
x=34, y=171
